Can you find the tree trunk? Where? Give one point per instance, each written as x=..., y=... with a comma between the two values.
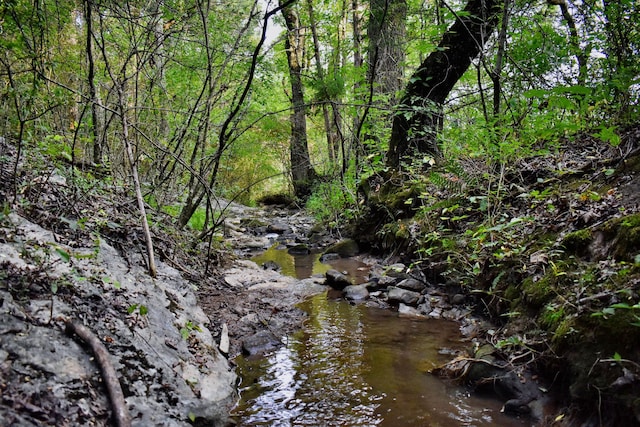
x=387, y=37
x=302, y=172
x=496, y=74
x=574, y=38
x=96, y=118
x=620, y=53
x=331, y=135
x=386, y=54
x=357, y=65
x=153, y=271
x=419, y=114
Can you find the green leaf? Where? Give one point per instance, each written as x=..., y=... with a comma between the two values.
x=621, y=305
x=608, y=134
x=64, y=255
x=132, y=308
x=536, y=93
x=54, y=287
x=144, y=310
x=574, y=90
x=184, y=332
x=616, y=356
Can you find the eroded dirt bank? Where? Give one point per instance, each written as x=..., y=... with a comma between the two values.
x=548, y=250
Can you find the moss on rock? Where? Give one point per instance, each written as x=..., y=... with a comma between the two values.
x=578, y=242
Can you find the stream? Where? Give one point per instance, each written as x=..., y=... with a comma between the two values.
x=356, y=365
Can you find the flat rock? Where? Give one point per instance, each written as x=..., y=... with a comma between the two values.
x=412, y=285
x=279, y=228
x=345, y=248
x=405, y=310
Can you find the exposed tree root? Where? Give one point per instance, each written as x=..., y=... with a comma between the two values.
x=120, y=411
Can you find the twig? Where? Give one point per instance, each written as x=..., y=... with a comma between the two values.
x=120, y=411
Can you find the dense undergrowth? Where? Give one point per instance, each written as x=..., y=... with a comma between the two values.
x=548, y=247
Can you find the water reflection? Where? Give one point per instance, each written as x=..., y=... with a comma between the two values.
x=358, y=366
x=303, y=266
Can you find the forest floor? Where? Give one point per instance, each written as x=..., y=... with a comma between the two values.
x=560, y=285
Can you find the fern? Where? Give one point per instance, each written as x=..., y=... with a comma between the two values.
x=452, y=177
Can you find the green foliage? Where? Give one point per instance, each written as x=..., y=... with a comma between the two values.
x=329, y=88
x=332, y=202
x=188, y=329
x=141, y=309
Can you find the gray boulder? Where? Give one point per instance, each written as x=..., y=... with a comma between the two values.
x=412, y=285
x=279, y=228
x=260, y=343
x=345, y=248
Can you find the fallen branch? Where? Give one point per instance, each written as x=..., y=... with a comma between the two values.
x=120, y=411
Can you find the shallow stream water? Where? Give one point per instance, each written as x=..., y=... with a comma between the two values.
x=354, y=365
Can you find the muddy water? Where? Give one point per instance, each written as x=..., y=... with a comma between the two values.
x=354, y=365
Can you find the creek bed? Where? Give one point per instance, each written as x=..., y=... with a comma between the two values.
x=356, y=365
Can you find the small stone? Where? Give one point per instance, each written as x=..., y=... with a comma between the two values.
x=224, y=339
x=436, y=313
x=412, y=285
x=260, y=343
x=457, y=299
x=329, y=257
x=398, y=270
x=337, y=280
x=403, y=296
x=386, y=281
x=345, y=248
x=405, y=310
x=271, y=265
x=279, y=228
x=356, y=292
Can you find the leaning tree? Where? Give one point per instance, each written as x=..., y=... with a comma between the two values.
x=419, y=112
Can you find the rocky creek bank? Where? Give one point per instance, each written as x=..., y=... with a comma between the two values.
x=263, y=302
x=167, y=361
x=172, y=339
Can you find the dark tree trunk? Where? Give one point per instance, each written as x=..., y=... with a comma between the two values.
x=385, y=56
x=302, y=172
x=331, y=135
x=574, y=39
x=419, y=114
x=96, y=118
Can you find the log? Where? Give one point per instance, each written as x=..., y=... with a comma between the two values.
x=109, y=374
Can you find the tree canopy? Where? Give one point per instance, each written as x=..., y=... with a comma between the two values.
x=209, y=91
